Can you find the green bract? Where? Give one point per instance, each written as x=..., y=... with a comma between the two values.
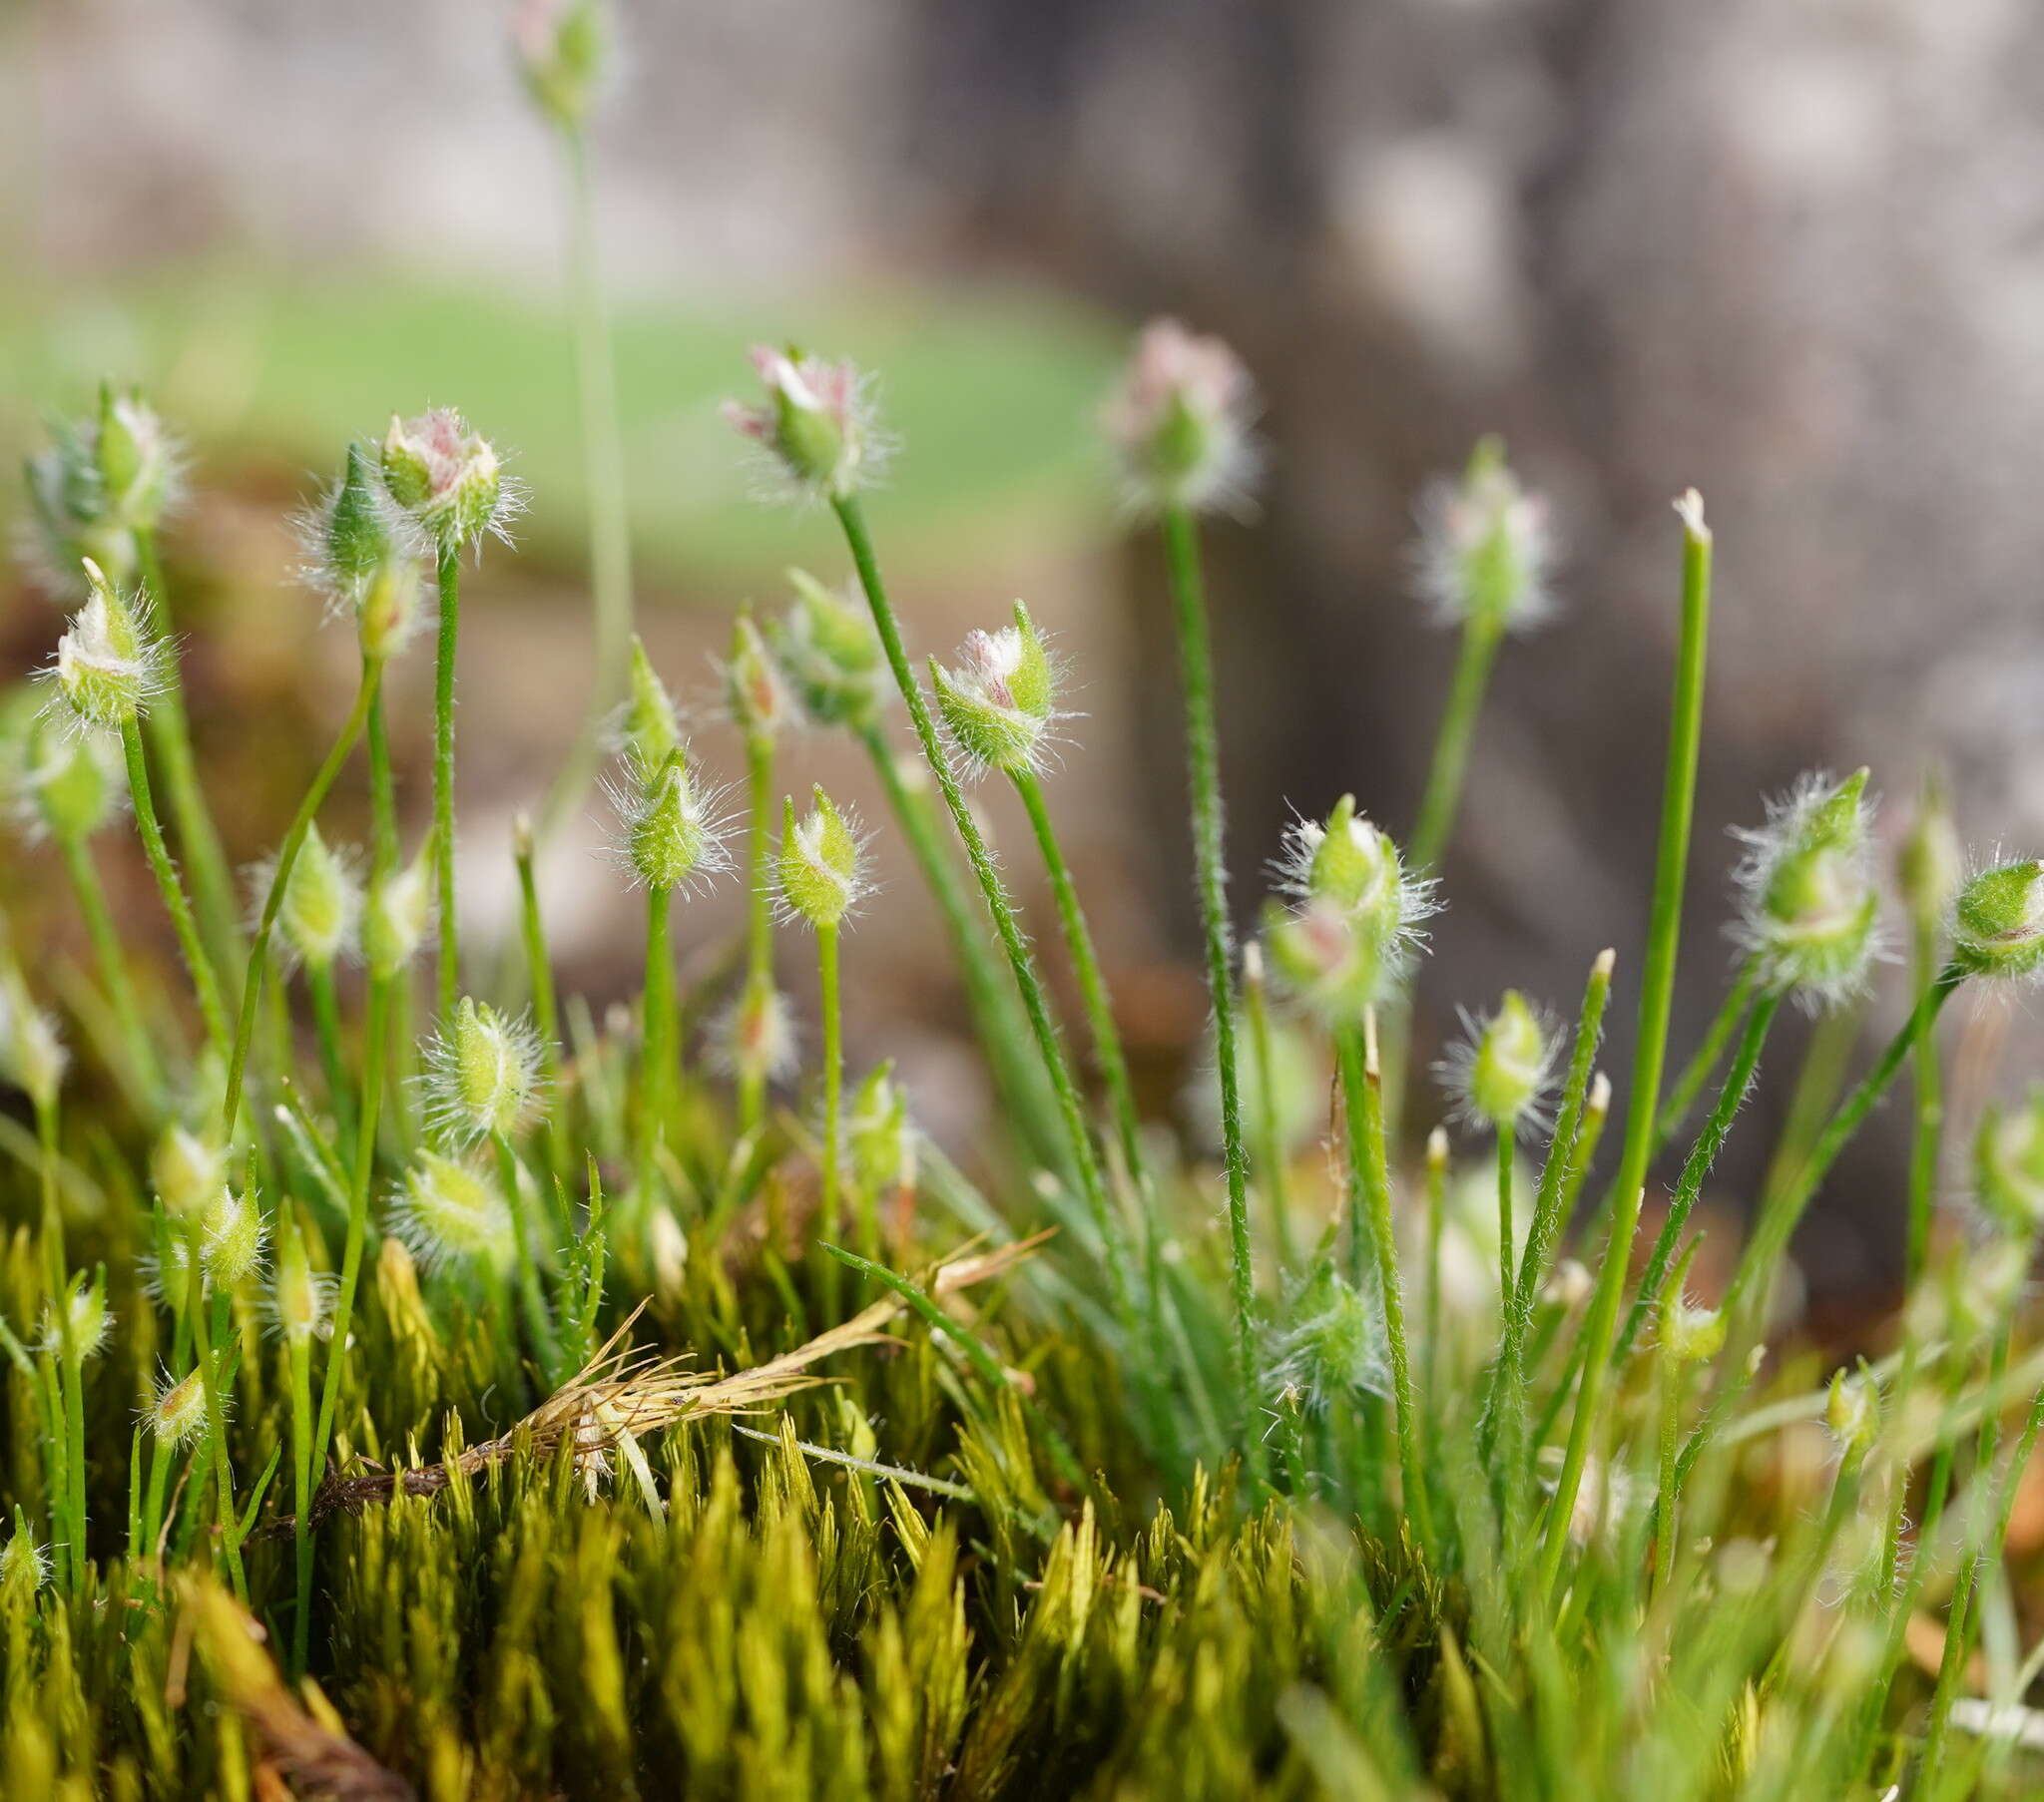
x=820, y=863
x=110, y=663
x=322, y=903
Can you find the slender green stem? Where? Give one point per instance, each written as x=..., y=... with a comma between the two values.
x=204, y=985
x=1269, y=1158
x=113, y=962
x=1673, y=1370
x=1437, y=1224
x=833, y=1080
x=1203, y=766
x=1364, y=1101
x=68, y=1437
x=1035, y=1003
x=375, y=1042
x=539, y=1320
x=1928, y=1123
x=1657, y=990
x=327, y=1026
x=1737, y=1086
x=286, y=857
x=758, y=921
x=1507, y=1287
x=170, y=736
x=657, y=1009
x=1481, y=637
x=1683, y=1092
x=604, y=487
x=298, y=1352
x=1099, y=1004
x=546, y=1012
x=448, y=988
x=215, y=1418
x=1003, y=1030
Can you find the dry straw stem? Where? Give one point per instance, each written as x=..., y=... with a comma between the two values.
x=623, y=1393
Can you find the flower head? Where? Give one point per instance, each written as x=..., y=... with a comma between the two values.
x=563, y=49
x=482, y=1073
x=999, y=703
x=446, y=477
x=1484, y=550
x=672, y=832
x=1998, y=921
x=232, y=1238
x=818, y=423
x=1502, y=1067
x=321, y=902
x=829, y=650
x=1180, y=423
x=363, y=552
x=451, y=1213
x=823, y=875
x=1807, y=888
x=110, y=664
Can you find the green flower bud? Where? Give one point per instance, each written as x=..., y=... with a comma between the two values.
x=651, y=724
x=23, y=1566
x=817, y=423
x=1499, y=1072
x=830, y=653
x=450, y=1213
x=365, y=552
x=2008, y=1162
x=883, y=1144
x=398, y=915
x=187, y=1171
x=753, y=694
x=232, y=1239
x=1809, y=898
x=482, y=1073
x=446, y=477
x=1178, y=422
x=1691, y=1335
x=70, y=783
x=89, y=1320
x=1998, y=921
x=1483, y=549
x=1349, y=938
x=322, y=903
x=110, y=665
x=177, y=1410
x=998, y=703
x=821, y=863
x=672, y=834
x=137, y=463
x=301, y=1298
x=1852, y=1411
x=1335, y=1352
x=561, y=46
x=32, y=1053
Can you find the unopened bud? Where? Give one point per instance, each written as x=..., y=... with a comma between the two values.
x=482, y=1073
x=322, y=903
x=830, y=652
x=671, y=836
x=398, y=915
x=752, y=688
x=110, y=663
x=562, y=46
x=177, y=1410
x=1808, y=894
x=1998, y=921
x=451, y=1213
x=1570, y=1286
x=998, y=702
x=1930, y=864
x=817, y=422
x=70, y=783
x=301, y=1298
x=1691, y=1335
x=2009, y=1162
x=1852, y=1411
x=1483, y=549
x=232, y=1240
x=24, y=1564
x=821, y=873
x=651, y=724
x=187, y=1171
x=883, y=1144
x=1180, y=421
x=32, y=1052
x=89, y=1320
x=137, y=461
x=1500, y=1070
x=445, y=476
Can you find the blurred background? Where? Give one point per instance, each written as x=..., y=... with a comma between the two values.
x=1789, y=250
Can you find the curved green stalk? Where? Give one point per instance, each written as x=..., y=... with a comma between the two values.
x=1657, y=990
x=1203, y=764
x=204, y=985
x=449, y=986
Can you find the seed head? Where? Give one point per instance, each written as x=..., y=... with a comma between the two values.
x=753, y=694
x=999, y=703
x=186, y=1169
x=818, y=423
x=322, y=904
x=1501, y=1068
x=822, y=863
x=1808, y=897
x=63, y=784
x=446, y=477
x=883, y=1141
x=830, y=652
x=1483, y=550
x=1998, y=921
x=398, y=915
x=110, y=664
x=563, y=49
x=177, y=1410
x=482, y=1073
x=670, y=830
x=2008, y=1162
x=1180, y=423
x=451, y=1213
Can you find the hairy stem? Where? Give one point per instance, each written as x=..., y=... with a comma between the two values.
x=758, y=920
x=204, y=985
x=448, y=988
x=113, y=962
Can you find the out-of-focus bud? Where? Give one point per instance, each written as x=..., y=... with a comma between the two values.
x=1484, y=550
x=1808, y=894
x=830, y=653
x=302, y=1299
x=24, y=1564
x=1689, y=1334
x=671, y=836
x=1852, y=1411
x=446, y=477
x=482, y=1073
x=755, y=1036
x=137, y=464
x=322, y=903
x=821, y=868
x=1180, y=423
x=669, y=1246
x=450, y=1212
x=69, y=783
x=998, y=703
x=817, y=422
x=1349, y=936
x=110, y=663
x=752, y=689
x=1998, y=921
x=1501, y=1068
x=68, y=502
x=563, y=49
x=186, y=1169
x=365, y=556
x=1335, y=1352
x=32, y=1053
x=1931, y=863
x=883, y=1142
x=398, y=914
x=650, y=726
x=88, y=1319
x=1570, y=1286
x=2008, y=1164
